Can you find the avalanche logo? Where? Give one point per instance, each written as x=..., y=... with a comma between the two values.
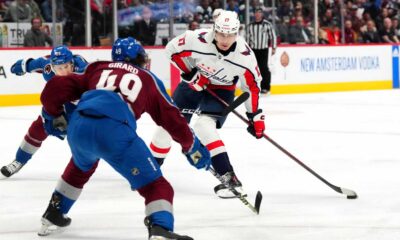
x=47, y=69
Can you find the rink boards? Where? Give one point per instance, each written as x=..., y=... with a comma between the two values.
x=295, y=69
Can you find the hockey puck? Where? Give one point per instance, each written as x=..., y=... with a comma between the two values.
x=352, y=196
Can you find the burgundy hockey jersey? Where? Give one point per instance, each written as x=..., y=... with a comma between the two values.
x=140, y=89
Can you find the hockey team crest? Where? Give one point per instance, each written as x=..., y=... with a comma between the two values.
x=47, y=69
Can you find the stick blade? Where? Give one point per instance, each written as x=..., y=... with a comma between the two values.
x=350, y=194
x=236, y=103
x=257, y=203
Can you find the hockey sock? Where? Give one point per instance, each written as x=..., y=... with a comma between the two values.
x=31, y=142
x=22, y=156
x=69, y=194
x=160, y=161
x=159, y=196
x=221, y=163
x=65, y=203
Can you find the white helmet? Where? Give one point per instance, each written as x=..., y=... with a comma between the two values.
x=227, y=22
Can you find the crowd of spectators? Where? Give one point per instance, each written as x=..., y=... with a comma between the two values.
x=365, y=21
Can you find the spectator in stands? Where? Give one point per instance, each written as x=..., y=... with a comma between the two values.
x=3, y=8
x=35, y=9
x=74, y=29
x=285, y=9
x=35, y=37
x=298, y=33
x=233, y=6
x=47, y=11
x=328, y=19
x=146, y=28
x=323, y=6
x=19, y=11
x=350, y=35
x=193, y=25
x=369, y=33
x=396, y=26
x=387, y=34
x=355, y=18
x=381, y=18
x=216, y=5
x=204, y=11
x=282, y=30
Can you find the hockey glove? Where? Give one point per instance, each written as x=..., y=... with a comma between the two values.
x=198, y=156
x=55, y=126
x=19, y=67
x=196, y=81
x=256, y=123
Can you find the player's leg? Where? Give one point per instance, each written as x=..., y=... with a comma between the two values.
x=262, y=60
x=206, y=128
x=67, y=191
x=133, y=160
x=76, y=174
x=29, y=145
x=184, y=98
x=144, y=175
x=120, y=146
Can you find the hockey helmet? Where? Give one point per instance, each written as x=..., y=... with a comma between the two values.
x=217, y=12
x=227, y=22
x=60, y=55
x=127, y=49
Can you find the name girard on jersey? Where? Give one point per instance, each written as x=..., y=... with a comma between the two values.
x=124, y=66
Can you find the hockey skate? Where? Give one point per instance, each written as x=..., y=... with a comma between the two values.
x=225, y=192
x=159, y=233
x=10, y=169
x=53, y=221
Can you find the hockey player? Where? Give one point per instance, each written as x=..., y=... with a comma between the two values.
x=113, y=95
x=61, y=62
x=216, y=59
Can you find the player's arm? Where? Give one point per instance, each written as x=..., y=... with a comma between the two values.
x=29, y=65
x=178, y=50
x=61, y=90
x=57, y=92
x=250, y=83
x=167, y=115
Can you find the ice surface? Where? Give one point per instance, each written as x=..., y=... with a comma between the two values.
x=350, y=138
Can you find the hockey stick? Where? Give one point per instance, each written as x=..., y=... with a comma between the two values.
x=242, y=197
x=350, y=194
x=237, y=102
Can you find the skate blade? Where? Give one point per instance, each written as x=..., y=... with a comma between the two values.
x=48, y=228
x=158, y=238
x=228, y=194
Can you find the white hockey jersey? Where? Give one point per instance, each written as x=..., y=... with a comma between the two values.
x=196, y=49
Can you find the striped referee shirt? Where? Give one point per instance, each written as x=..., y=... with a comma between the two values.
x=259, y=34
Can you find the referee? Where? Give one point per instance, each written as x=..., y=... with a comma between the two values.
x=260, y=34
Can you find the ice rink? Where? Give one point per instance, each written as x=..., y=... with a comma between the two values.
x=350, y=138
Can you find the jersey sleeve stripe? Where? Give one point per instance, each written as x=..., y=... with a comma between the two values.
x=178, y=60
x=254, y=89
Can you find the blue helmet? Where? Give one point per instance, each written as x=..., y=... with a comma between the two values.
x=127, y=49
x=60, y=55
